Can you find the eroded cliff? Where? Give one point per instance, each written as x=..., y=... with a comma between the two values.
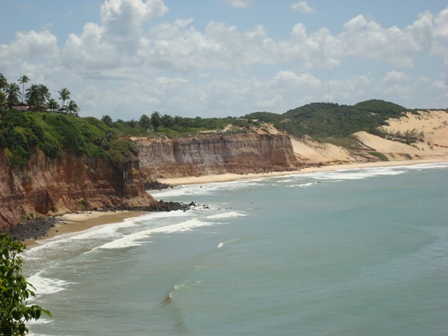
x=215, y=154
x=68, y=183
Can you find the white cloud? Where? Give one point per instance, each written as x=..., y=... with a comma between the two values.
x=127, y=59
x=239, y=3
x=395, y=76
x=33, y=45
x=288, y=80
x=302, y=7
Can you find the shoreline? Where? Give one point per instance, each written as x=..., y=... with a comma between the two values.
x=76, y=222
x=80, y=221
x=229, y=177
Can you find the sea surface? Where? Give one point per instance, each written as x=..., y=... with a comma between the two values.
x=349, y=252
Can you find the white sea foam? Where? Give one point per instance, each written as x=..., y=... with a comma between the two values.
x=231, y=214
x=205, y=189
x=222, y=244
x=46, y=285
x=135, y=239
x=302, y=185
x=434, y=165
x=355, y=174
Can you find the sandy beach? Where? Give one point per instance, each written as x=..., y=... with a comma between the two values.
x=74, y=222
x=234, y=177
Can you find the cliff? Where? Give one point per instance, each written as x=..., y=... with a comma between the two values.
x=67, y=183
x=215, y=154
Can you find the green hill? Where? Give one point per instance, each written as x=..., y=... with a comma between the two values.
x=323, y=120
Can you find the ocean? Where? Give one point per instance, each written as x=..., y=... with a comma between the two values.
x=348, y=252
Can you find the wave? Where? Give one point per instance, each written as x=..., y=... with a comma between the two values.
x=206, y=188
x=355, y=174
x=46, y=285
x=231, y=214
x=134, y=239
x=222, y=244
x=168, y=298
x=302, y=185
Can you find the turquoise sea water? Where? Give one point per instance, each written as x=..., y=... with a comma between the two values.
x=351, y=252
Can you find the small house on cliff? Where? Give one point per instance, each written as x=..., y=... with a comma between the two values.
x=21, y=107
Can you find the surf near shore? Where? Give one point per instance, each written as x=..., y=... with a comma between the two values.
x=75, y=222
x=235, y=177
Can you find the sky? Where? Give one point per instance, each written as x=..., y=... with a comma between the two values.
x=219, y=58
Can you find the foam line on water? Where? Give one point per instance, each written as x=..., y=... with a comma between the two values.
x=46, y=285
x=105, y=231
x=355, y=174
x=205, y=189
x=135, y=238
x=231, y=214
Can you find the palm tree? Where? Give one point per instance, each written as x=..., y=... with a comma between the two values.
x=155, y=120
x=3, y=82
x=37, y=95
x=22, y=80
x=72, y=107
x=3, y=100
x=12, y=92
x=64, y=95
x=53, y=104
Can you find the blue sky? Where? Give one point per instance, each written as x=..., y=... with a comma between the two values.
x=217, y=58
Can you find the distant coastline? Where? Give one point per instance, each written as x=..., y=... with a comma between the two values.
x=80, y=221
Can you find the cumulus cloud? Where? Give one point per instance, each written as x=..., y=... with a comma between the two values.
x=302, y=7
x=117, y=41
x=170, y=62
x=32, y=45
x=395, y=76
x=239, y=3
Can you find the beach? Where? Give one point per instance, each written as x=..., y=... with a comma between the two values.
x=75, y=222
x=234, y=177
x=343, y=251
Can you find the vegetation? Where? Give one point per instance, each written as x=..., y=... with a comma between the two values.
x=379, y=155
x=15, y=290
x=53, y=133
x=21, y=133
x=324, y=120
x=408, y=137
x=38, y=96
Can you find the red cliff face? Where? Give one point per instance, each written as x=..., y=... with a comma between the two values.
x=215, y=154
x=69, y=183
x=55, y=186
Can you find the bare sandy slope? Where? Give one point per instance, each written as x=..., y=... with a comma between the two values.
x=433, y=124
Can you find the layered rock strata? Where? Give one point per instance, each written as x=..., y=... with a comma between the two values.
x=215, y=154
x=65, y=184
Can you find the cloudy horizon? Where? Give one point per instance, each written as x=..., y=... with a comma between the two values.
x=219, y=58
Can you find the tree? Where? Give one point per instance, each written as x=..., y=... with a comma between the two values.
x=155, y=120
x=3, y=82
x=64, y=95
x=167, y=121
x=22, y=80
x=72, y=107
x=12, y=92
x=107, y=120
x=3, y=100
x=53, y=104
x=37, y=95
x=14, y=290
x=145, y=122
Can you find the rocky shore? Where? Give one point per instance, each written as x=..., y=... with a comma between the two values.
x=32, y=229
x=38, y=228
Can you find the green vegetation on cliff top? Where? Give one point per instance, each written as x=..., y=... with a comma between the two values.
x=22, y=132
x=323, y=120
